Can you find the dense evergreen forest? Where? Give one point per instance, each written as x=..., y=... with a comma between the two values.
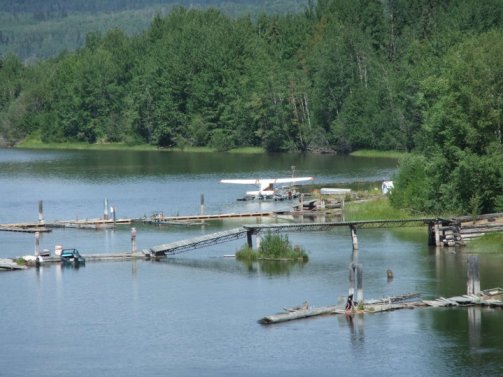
x=422, y=76
x=40, y=29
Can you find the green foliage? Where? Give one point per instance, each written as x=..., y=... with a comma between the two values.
x=462, y=134
x=423, y=76
x=411, y=185
x=273, y=247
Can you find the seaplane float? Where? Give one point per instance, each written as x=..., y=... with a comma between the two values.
x=267, y=189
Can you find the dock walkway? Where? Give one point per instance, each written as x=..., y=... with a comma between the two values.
x=197, y=242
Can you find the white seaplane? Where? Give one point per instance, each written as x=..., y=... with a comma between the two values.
x=267, y=190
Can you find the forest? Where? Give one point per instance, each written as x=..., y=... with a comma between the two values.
x=41, y=29
x=423, y=77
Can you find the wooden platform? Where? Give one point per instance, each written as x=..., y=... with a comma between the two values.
x=24, y=228
x=8, y=264
x=488, y=298
x=221, y=216
x=101, y=257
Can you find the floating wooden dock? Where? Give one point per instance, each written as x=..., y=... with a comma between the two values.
x=89, y=223
x=111, y=223
x=24, y=228
x=197, y=218
x=487, y=298
x=100, y=257
x=9, y=264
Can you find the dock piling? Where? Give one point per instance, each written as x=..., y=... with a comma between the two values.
x=133, y=241
x=41, y=212
x=202, y=205
x=473, y=282
x=437, y=235
x=249, y=234
x=356, y=279
x=105, y=209
x=354, y=237
x=37, y=244
x=352, y=271
x=359, y=283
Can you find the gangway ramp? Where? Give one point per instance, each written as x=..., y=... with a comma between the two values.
x=197, y=242
x=249, y=230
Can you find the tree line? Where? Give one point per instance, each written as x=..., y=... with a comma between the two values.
x=420, y=77
x=40, y=29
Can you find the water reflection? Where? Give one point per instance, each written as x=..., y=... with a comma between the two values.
x=356, y=325
x=474, y=320
x=273, y=268
x=268, y=268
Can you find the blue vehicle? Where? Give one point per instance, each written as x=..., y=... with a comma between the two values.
x=72, y=256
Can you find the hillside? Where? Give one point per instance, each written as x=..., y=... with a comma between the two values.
x=342, y=75
x=37, y=29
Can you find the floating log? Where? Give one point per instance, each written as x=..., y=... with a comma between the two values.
x=490, y=297
x=298, y=314
x=373, y=306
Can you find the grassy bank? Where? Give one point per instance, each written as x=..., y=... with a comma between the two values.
x=34, y=142
x=491, y=243
x=377, y=154
x=376, y=209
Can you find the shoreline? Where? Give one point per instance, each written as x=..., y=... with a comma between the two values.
x=35, y=144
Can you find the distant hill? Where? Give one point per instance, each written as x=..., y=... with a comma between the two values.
x=40, y=29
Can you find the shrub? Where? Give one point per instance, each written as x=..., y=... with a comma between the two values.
x=275, y=247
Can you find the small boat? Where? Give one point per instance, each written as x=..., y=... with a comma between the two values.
x=72, y=257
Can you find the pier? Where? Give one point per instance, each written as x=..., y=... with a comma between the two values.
x=157, y=219
x=441, y=232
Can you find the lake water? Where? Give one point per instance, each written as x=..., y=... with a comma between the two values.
x=196, y=314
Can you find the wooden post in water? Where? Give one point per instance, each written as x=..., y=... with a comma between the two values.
x=437, y=235
x=351, y=290
x=41, y=212
x=473, y=282
x=354, y=237
x=431, y=234
x=105, y=209
x=202, y=205
x=359, y=283
x=133, y=241
x=37, y=244
x=249, y=241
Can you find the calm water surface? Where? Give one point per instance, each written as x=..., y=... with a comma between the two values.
x=195, y=314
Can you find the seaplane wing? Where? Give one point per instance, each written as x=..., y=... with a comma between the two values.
x=266, y=181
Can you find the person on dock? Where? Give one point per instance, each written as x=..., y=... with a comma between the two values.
x=349, y=304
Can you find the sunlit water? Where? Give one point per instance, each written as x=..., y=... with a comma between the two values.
x=196, y=314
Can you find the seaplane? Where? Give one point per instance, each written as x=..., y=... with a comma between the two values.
x=267, y=189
